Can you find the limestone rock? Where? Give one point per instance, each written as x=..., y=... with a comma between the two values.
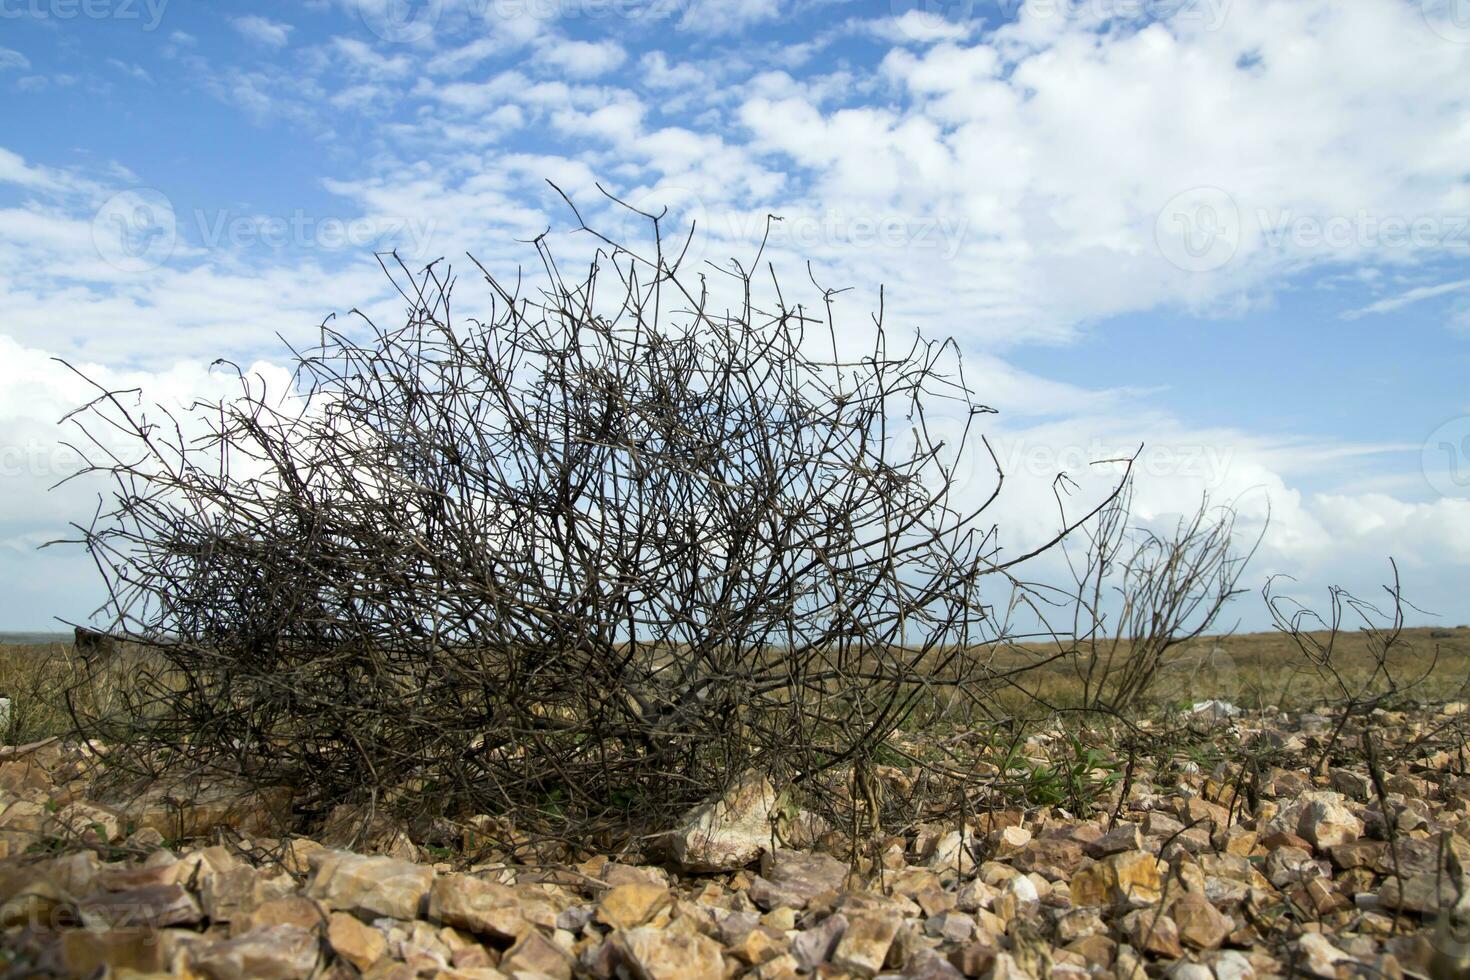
x=1317, y=957
x=663, y=954
x=1129, y=878
x=1326, y=821
x=633, y=904
x=358, y=944
x=371, y=886
x=792, y=878
x=534, y=954
x=276, y=953
x=1201, y=925
x=728, y=832
x=1152, y=931
x=864, y=945
x=484, y=907
x=814, y=946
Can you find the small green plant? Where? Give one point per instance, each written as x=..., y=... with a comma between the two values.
x=1078, y=779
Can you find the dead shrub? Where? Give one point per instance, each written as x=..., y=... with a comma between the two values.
x=587, y=558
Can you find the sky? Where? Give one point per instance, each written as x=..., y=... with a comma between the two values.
x=1235, y=232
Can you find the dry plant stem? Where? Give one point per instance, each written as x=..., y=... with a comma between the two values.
x=1139, y=596
x=581, y=561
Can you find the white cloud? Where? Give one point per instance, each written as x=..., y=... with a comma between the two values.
x=581, y=59
x=917, y=27
x=660, y=73
x=369, y=60
x=1407, y=298
x=1007, y=187
x=263, y=30
x=13, y=60
x=133, y=71
x=1060, y=150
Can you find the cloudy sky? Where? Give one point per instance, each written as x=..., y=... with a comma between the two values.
x=1236, y=232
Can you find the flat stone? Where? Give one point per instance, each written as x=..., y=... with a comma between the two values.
x=371, y=885
x=275, y=953
x=1201, y=925
x=358, y=944
x=632, y=904
x=483, y=907
x=664, y=954
x=1130, y=878
x=864, y=945
x=1154, y=932
x=153, y=906
x=815, y=945
x=792, y=879
x=534, y=954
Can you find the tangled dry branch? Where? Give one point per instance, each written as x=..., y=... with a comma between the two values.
x=588, y=557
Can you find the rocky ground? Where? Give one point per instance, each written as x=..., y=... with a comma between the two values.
x=1297, y=855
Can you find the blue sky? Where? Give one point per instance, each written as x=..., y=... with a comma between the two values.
x=1237, y=231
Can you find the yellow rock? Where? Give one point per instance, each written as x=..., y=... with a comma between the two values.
x=632, y=904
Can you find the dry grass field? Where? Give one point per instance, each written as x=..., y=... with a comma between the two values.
x=1252, y=670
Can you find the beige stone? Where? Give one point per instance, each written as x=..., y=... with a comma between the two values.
x=361, y=945
x=274, y=953
x=1152, y=931
x=1129, y=878
x=661, y=954
x=533, y=953
x=729, y=831
x=633, y=904
x=371, y=886
x=1326, y=821
x=1008, y=840
x=483, y=907
x=1317, y=957
x=864, y=944
x=1201, y=925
